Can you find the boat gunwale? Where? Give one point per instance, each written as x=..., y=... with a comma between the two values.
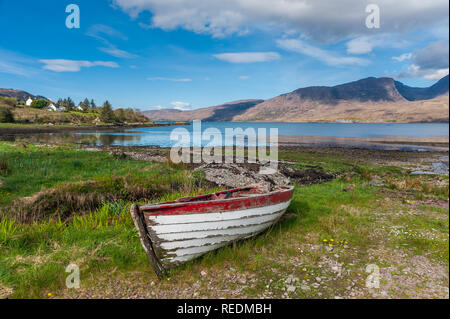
x=173, y=204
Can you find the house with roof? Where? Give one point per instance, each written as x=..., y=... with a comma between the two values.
x=53, y=107
x=29, y=101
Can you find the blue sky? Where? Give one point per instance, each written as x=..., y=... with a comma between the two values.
x=151, y=54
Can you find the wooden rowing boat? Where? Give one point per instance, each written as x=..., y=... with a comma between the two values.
x=177, y=231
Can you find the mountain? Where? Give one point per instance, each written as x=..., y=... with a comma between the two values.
x=416, y=94
x=367, y=100
x=224, y=112
x=20, y=95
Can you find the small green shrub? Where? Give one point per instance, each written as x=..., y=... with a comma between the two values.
x=6, y=116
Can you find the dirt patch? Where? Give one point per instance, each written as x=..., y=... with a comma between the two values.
x=306, y=176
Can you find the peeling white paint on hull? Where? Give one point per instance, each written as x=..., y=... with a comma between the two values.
x=176, y=232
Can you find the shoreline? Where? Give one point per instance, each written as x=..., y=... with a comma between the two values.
x=386, y=143
x=12, y=130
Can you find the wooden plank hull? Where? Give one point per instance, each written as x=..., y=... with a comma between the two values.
x=175, y=232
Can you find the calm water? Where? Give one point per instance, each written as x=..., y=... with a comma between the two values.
x=160, y=136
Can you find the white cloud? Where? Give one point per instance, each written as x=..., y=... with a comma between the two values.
x=414, y=71
x=17, y=64
x=330, y=58
x=182, y=106
x=112, y=50
x=244, y=77
x=430, y=62
x=61, y=65
x=322, y=20
x=170, y=79
x=402, y=57
x=156, y=107
x=98, y=30
x=247, y=57
x=364, y=44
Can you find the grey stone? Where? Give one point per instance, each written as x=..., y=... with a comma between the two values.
x=376, y=182
x=291, y=288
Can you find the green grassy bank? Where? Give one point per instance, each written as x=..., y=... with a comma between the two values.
x=321, y=248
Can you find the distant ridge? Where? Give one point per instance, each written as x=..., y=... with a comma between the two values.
x=19, y=94
x=366, y=100
x=417, y=94
x=223, y=112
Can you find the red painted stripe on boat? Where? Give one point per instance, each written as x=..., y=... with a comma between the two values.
x=220, y=205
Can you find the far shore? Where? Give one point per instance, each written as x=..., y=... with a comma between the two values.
x=34, y=129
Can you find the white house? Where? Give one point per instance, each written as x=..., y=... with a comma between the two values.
x=79, y=108
x=55, y=107
x=28, y=102
x=52, y=107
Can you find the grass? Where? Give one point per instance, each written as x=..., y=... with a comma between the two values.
x=33, y=168
x=363, y=224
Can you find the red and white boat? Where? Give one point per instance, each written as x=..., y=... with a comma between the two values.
x=177, y=231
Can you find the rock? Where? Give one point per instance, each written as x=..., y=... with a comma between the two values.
x=291, y=288
x=291, y=280
x=203, y=273
x=318, y=279
x=376, y=182
x=440, y=168
x=422, y=173
x=234, y=175
x=349, y=188
x=305, y=288
x=329, y=248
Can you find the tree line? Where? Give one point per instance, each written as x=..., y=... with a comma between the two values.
x=105, y=112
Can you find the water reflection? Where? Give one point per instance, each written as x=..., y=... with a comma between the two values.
x=97, y=139
x=312, y=133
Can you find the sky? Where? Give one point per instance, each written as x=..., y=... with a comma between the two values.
x=186, y=54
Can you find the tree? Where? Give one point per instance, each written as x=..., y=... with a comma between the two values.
x=93, y=106
x=120, y=114
x=85, y=104
x=70, y=104
x=8, y=101
x=6, y=116
x=107, y=114
x=39, y=104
